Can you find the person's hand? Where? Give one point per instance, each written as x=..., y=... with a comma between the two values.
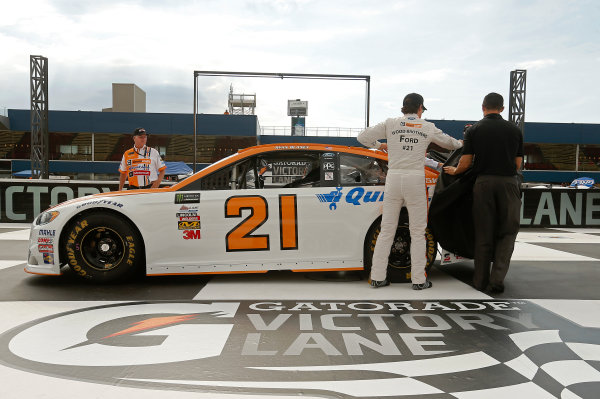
x=383, y=147
x=451, y=170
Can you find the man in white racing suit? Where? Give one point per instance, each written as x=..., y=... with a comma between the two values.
x=407, y=140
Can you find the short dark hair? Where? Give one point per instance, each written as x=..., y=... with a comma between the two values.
x=411, y=103
x=493, y=101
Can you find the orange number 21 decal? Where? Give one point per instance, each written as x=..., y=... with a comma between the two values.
x=240, y=238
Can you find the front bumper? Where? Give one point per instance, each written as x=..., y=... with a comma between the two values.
x=42, y=256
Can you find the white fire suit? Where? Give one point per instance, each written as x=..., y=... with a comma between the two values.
x=407, y=138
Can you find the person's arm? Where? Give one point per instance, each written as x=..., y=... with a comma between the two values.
x=432, y=163
x=519, y=158
x=369, y=137
x=122, y=173
x=160, y=166
x=518, y=162
x=161, y=174
x=122, y=178
x=443, y=140
x=463, y=164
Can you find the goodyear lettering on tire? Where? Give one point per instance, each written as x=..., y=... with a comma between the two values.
x=73, y=245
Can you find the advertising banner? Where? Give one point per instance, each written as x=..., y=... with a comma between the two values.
x=560, y=208
x=22, y=200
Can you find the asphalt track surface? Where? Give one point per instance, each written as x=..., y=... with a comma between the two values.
x=290, y=339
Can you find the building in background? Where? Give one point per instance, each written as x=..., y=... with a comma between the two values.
x=89, y=145
x=127, y=97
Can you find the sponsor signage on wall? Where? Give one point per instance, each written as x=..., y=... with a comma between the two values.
x=21, y=202
x=560, y=208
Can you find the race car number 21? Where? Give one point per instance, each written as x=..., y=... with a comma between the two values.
x=240, y=238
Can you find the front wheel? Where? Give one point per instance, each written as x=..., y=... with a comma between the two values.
x=103, y=247
x=398, y=270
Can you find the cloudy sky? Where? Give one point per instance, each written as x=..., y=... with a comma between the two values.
x=452, y=52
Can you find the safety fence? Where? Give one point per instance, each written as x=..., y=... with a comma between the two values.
x=311, y=131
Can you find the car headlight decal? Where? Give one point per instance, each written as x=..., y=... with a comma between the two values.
x=46, y=217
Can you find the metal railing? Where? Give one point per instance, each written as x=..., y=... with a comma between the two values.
x=311, y=131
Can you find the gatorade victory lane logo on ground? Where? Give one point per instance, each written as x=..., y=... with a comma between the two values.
x=447, y=349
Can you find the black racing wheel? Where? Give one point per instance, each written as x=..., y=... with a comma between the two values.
x=103, y=247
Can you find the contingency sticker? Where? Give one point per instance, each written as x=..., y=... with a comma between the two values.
x=187, y=198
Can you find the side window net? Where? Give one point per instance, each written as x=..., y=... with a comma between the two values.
x=361, y=171
x=297, y=170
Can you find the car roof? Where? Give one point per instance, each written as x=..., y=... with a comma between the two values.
x=283, y=147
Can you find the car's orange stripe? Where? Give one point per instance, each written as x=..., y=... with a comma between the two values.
x=42, y=274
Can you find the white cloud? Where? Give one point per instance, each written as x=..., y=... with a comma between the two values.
x=536, y=64
x=419, y=77
x=451, y=54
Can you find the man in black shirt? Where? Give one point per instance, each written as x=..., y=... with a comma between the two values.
x=495, y=149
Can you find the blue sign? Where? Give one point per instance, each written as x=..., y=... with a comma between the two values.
x=583, y=181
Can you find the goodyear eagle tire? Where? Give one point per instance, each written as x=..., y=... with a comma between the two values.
x=398, y=270
x=103, y=247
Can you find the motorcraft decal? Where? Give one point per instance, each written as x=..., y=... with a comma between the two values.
x=341, y=349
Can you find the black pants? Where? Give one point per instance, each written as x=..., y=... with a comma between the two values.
x=496, y=215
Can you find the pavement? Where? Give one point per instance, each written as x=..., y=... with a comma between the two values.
x=285, y=334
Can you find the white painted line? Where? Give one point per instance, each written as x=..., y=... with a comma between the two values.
x=526, y=390
x=577, y=230
x=15, y=225
x=295, y=286
x=530, y=252
x=585, y=313
x=357, y=388
x=558, y=237
x=19, y=235
x=5, y=264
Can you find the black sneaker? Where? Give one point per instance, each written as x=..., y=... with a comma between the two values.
x=377, y=284
x=424, y=286
x=494, y=289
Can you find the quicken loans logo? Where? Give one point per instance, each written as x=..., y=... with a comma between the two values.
x=356, y=196
x=324, y=348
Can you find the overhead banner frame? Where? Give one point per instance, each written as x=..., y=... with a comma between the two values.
x=366, y=78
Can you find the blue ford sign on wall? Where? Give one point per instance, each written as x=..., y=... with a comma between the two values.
x=583, y=181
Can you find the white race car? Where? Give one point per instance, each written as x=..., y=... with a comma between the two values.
x=300, y=207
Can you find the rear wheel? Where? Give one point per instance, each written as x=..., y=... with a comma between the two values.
x=103, y=247
x=399, y=263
